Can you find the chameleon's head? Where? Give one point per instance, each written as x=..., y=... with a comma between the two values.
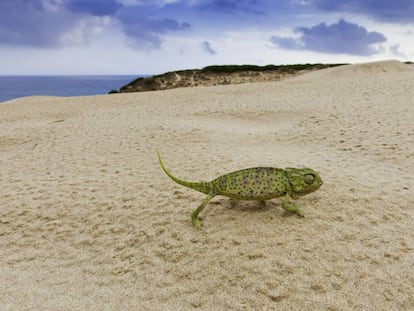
x=303, y=181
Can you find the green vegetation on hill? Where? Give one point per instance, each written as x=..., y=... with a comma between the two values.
x=190, y=77
x=282, y=68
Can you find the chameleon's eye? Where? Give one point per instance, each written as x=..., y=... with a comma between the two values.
x=309, y=179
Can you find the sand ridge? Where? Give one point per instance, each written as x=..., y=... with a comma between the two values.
x=89, y=221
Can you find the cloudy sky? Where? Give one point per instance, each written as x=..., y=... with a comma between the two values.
x=154, y=36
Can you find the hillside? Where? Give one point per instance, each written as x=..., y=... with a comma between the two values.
x=219, y=75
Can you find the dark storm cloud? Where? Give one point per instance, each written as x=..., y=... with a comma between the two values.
x=386, y=10
x=339, y=38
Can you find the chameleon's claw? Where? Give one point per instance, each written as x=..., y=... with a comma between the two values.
x=196, y=222
x=291, y=207
x=300, y=213
x=194, y=216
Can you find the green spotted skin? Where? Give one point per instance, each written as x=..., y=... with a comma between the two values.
x=256, y=183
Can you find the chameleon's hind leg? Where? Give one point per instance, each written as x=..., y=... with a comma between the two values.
x=291, y=207
x=194, y=216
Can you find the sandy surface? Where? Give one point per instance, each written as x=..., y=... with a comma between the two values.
x=88, y=221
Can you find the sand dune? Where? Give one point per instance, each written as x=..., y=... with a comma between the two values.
x=88, y=221
x=361, y=70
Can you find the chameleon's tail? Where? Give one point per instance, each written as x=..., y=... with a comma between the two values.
x=204, y=187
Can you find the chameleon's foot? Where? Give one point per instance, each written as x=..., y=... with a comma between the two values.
x=194, y=216
x=299, y=213
x=292, y=207
x=196, y=221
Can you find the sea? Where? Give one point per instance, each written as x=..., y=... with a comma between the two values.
x=12, y=87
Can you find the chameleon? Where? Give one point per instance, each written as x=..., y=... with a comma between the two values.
x=256, y=183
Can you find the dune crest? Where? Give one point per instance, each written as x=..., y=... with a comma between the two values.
x=350, y=71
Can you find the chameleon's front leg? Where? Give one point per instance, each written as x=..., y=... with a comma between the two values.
x=291, y=207
x=194, y=216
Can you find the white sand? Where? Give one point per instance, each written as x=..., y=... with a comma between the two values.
x=88, y=221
